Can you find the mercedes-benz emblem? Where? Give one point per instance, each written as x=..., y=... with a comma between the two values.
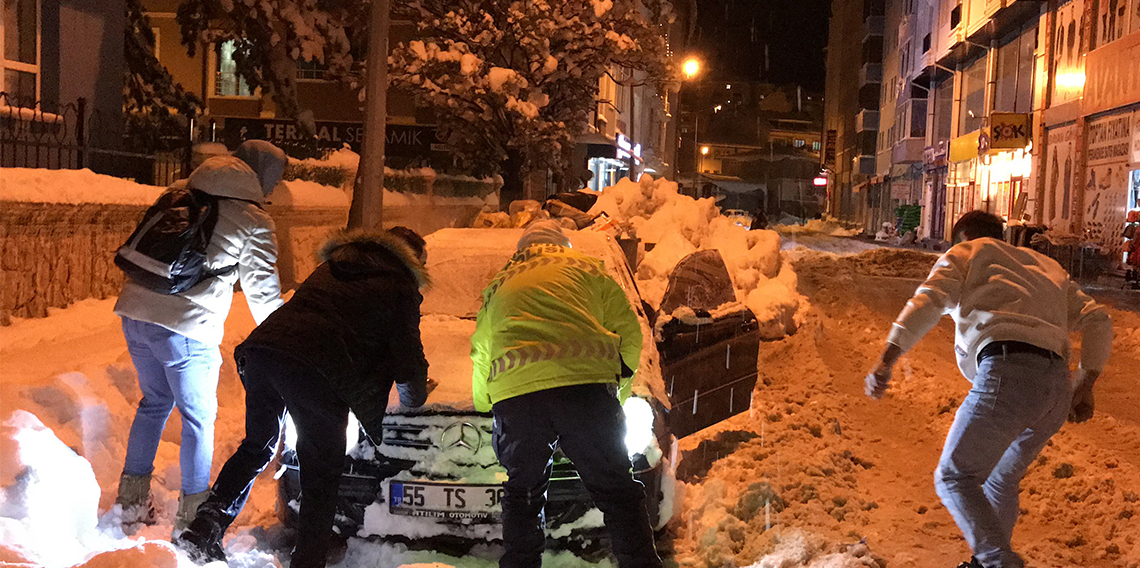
x=461, y=434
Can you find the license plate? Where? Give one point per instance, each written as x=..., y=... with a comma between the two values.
x=446, y=501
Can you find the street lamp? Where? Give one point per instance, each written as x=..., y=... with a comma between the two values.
x=691, y=67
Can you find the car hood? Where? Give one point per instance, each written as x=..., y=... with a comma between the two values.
x=447, y=346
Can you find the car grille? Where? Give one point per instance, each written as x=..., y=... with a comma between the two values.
x=406, y=436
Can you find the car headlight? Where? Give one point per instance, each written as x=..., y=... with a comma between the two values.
x=351, y=433
x=639, y=436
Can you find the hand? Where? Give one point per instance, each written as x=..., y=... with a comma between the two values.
x=878, y=380
x=1083, y=404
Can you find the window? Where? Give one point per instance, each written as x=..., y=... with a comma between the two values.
x=312, y=70
x=926, y=43
x=1014, y=90
x=799, y=143
x=227, y=82
x=955, y=16
x=815, y=146
x=973, y=108
x=21, y=60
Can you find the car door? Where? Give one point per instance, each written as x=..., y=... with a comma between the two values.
x=709, y=345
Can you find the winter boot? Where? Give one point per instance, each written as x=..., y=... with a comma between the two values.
x=134, y=498
x=202, y=540
x=188, y=508
x=973, y=563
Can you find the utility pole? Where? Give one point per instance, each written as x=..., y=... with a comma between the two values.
x=367, y=207
x=632, y=120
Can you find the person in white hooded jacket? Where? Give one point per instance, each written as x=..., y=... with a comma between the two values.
x=1013, y=311
x=173, y=339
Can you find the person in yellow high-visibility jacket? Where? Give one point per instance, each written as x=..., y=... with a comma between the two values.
x=555, y=349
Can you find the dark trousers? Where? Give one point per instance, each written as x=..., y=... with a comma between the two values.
x=588, y=424
x=273, y=383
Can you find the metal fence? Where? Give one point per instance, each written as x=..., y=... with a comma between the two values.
x=72, y=136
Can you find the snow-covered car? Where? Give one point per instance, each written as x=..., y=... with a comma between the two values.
x=435, y=476
x=738, y=217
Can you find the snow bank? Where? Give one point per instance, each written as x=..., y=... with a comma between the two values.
x=678, y=225
x=300, y=193
x=37, y=185
x=820, y=226
x=49, y=501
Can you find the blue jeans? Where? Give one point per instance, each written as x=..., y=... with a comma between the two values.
x=173, y=370
x=1017, y=403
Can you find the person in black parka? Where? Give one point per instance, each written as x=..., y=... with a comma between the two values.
x=348, y=334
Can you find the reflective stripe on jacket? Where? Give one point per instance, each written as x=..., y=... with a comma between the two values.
x=552, y=318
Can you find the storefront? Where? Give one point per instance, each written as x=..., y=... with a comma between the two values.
x=1112, y=138
x=990, y=168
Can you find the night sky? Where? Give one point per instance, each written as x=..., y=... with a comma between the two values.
x=731, y=35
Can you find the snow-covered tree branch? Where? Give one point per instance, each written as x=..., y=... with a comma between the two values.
x=512, y=82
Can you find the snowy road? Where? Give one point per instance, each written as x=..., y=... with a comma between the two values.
x=814, y=460
x=843, y=468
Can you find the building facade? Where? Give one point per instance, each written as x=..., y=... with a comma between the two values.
x=851, y=99
x=1023, y=108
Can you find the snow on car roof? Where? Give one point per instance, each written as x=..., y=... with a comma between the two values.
x=461, y=262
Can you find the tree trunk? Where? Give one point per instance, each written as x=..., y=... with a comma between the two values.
x=367, y=206
x=513, y=180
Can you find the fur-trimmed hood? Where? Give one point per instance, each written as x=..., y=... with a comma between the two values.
x=361, y=253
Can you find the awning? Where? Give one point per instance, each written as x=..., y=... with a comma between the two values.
x=598, y=145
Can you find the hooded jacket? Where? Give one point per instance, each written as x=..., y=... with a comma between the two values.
x=552, y=318
x=243, y=238
x=356, y=322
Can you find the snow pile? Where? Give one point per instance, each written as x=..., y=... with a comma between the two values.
x=301, y=193
x=678, y=225
x=49, y=500
x=821, y=226
x=801, y=549
x=817, y=456
x=36, y=185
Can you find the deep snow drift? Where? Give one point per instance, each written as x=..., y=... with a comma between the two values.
x=678, y=225
x=802, y=480
x=817, y=457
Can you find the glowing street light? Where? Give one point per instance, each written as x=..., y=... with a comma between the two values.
x=704, y=150
x=691, y=67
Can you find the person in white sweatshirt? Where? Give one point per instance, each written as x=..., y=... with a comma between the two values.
x=173, y=339
x=1013, y=311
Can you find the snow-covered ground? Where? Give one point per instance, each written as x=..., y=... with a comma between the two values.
x=814, y=475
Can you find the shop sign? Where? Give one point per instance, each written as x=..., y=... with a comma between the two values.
x=1134, y=158
x=1107, y=179
x=1008, y=131
x=1113, y=75
x=400, y=140
x=1060, y=177
x=1068, y=63
x=1109, y=139
x=829, y=142
x=965, y=147
x=934, y=156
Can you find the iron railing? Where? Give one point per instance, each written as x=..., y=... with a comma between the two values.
x=72, y=136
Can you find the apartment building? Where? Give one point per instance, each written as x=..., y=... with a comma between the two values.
x=851, y=108
x=1019, y=107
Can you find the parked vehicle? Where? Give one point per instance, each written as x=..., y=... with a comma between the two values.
x=738, y=217
x=435, y=476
